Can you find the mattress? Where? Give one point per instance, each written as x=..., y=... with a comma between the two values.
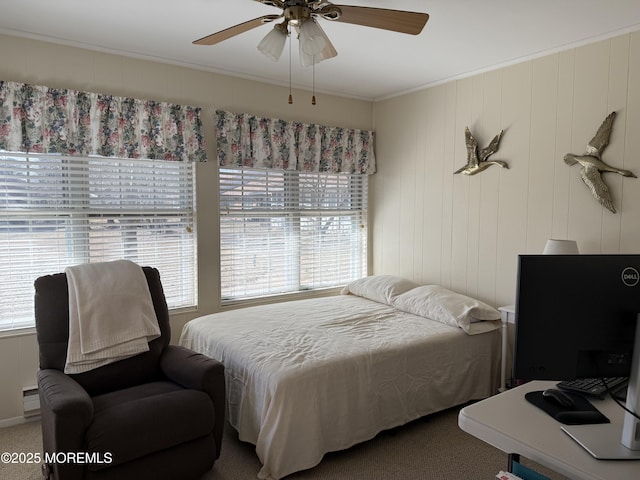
x=309, y=377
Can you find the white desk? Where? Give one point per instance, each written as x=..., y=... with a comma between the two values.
x=510, y=423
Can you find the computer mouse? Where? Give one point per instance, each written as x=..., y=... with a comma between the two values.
x=558, y=396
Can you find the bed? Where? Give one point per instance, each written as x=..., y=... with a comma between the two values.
x=308, y=377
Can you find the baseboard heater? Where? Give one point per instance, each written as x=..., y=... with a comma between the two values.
x=30, y=401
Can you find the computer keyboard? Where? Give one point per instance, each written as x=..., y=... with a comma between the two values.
x=593, y=386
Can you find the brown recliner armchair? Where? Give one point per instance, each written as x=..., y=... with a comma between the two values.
x=158, y=415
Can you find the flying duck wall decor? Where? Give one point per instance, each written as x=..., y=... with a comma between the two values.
x=477, y=161
x=592, y=166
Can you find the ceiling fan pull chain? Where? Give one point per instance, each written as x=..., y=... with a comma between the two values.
x=313, y=93
x=290, y=96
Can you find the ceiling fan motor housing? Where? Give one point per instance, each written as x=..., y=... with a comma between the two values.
x=296, y=14
x=298, y=11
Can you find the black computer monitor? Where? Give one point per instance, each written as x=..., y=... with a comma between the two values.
x=577, y=316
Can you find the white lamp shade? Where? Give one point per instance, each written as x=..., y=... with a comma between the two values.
x=312, y=39
x=273, y=43
x=560, y=247
x=327, y=52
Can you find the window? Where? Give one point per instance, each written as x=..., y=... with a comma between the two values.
x=58, y=211
x=284, y=231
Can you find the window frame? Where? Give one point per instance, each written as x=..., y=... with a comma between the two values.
x=73, y=182
x=294, y=215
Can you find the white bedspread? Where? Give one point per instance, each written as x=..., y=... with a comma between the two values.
x=301, y=385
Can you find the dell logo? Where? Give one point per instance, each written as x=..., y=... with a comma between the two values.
x=630, y=277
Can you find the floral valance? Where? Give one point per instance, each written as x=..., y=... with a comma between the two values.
x=248, y=141
x=51, y=120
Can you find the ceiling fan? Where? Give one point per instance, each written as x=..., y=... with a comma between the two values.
x=314, y=44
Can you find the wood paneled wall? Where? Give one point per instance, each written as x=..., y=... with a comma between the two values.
x=465, y=232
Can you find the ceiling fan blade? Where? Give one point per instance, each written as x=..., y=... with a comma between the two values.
x=394, y=20
x=235, y=30
x=272, y=3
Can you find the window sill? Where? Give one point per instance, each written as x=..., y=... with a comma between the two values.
x=24, y=331
x=285, y=297
x=18, y=332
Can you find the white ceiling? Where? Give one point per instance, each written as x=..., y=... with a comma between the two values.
x=462, y=37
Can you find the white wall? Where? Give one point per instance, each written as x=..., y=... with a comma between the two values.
x=65, y=67
x=465, y=232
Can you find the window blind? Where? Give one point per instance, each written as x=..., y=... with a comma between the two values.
x=57, y=211
x=287, y=231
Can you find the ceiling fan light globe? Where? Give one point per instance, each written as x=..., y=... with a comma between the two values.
x=272, y=45
x=307, y=60
x=312, y=39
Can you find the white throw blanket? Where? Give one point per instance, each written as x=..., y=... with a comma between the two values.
x=111, y=314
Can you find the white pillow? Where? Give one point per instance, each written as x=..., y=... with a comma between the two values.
x=379, y=288
x=451, y=308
